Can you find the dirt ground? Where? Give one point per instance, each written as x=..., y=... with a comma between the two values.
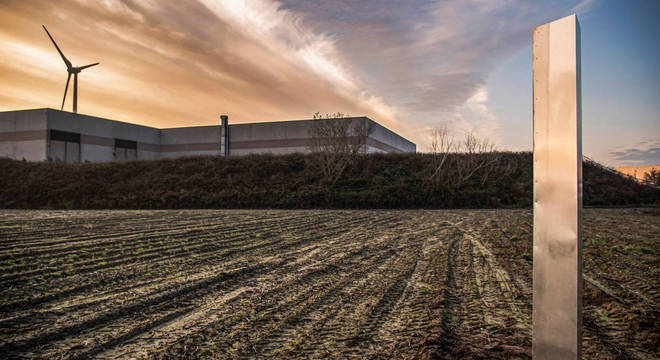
x=221, y=284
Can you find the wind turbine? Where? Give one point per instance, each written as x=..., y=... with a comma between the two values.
x=72, y=70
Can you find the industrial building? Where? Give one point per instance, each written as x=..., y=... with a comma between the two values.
x=47, y=134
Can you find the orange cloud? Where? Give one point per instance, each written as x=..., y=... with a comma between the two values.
x=171, y=64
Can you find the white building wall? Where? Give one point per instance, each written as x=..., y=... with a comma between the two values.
x=374, y=150
x=97, y=135
x=33, y=150
x=147, y=155
x=178, y=154
x=23, y=134
x=191, y=141
x=390, y=138
x=96, y=153
x=285, y=137
x=272, y=151
x=280, y=137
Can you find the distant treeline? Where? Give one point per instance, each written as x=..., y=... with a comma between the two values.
x=488, y=180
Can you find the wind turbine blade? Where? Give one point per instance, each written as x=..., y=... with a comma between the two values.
x=86, y=66
x=66, y=61
x=65, y=89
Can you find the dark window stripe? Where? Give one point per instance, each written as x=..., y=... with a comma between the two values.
x=128, y=144
x=64, y=136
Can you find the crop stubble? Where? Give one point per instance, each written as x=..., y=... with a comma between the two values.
x=309, y=284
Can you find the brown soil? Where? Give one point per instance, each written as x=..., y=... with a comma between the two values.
x=310, y=284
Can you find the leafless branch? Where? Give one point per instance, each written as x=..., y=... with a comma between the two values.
x=336, y=139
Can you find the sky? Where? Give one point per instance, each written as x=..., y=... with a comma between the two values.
x=410, y=65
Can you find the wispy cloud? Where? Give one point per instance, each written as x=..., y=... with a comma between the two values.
x=637, y=155
x=428, y=59
x=251, y=59
x=646, y=151
x=409, y=65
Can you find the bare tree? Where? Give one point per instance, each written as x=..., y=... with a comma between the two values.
x=470, y=156
x=475, y=158
x=335, y=140
x=472, y=144
x=441, y=145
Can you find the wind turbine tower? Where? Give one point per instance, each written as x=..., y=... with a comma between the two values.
x=71, y=70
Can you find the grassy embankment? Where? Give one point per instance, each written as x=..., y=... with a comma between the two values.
x=295, y=181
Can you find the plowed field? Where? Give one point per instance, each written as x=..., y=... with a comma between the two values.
x=310, y=284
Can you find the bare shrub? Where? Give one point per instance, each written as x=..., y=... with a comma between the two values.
x=455, y=162
x=335, y=140
x=473, y=145
x=442, y=143
x=477, y=158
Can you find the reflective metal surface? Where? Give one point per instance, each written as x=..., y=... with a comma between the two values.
x=557, y=314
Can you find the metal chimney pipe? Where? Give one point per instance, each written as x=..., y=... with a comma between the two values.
x=224, y=122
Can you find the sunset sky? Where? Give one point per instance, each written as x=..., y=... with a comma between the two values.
x=410, y=65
